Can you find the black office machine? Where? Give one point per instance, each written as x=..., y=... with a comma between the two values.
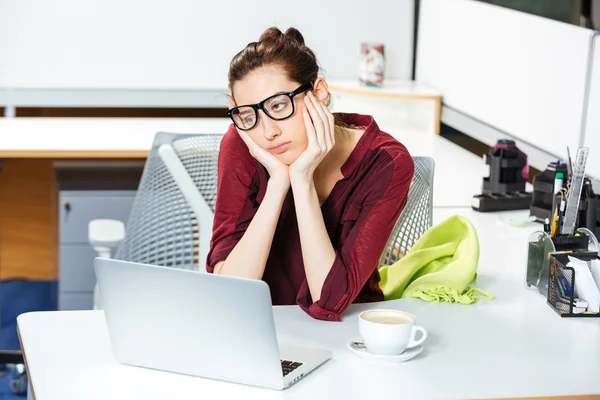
x=504, y=188
x=589, y=209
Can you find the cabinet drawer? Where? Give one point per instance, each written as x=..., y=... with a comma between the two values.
x=77, y=209
x=76, y=268
x=76, y=301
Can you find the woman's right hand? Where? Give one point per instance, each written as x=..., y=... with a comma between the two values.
x=277, y=170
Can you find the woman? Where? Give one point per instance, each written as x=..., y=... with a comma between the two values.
x=306, y=200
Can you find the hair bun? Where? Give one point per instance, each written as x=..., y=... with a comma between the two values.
x=286, y=51
x=274, y=35
x=295, y=35
x=271, y=35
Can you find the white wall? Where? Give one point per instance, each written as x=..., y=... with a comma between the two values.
x=592, y=125
x=519, y=73
x=184, y=44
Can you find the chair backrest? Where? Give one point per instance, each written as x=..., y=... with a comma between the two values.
x=163, y=228
x=417, y=216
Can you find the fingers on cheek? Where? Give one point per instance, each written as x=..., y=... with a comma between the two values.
x=305, y=112
x=308, y=125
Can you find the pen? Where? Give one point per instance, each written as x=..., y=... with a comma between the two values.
x=547, y=225
x=570, y=165
x=561, y=215
x=558, y=182
x=554, y=218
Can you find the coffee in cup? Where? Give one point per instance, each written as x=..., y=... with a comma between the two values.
x=389, y=332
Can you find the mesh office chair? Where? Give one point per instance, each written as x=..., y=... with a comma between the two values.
x=171, y=219
x=170, y=223
x=417, y=216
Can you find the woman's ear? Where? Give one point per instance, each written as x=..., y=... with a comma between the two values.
x=321, y=90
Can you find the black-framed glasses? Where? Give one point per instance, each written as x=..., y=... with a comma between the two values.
x=278, y=107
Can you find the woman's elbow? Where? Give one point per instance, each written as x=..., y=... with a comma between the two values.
x=217, y=270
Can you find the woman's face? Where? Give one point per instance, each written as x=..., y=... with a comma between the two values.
x=286, y=139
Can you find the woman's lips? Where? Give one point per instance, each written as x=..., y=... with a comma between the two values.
x=280, y=148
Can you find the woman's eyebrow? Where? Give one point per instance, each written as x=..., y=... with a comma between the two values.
x=274, y=94
x=278, y=93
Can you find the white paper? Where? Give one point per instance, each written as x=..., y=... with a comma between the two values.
x=585, y=285
x=595, y=267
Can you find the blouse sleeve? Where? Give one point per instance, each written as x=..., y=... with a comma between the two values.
x=361, y=249
x=236, y=197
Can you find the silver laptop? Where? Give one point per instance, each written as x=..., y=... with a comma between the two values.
x=198, y=324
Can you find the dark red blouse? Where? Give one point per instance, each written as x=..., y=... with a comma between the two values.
x=359, y=215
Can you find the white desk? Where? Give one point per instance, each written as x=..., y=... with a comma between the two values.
x=117, y=138
x=512, y=346
x=93, y=137
x=458, y=172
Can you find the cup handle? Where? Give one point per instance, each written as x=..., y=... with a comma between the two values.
x=413, y=342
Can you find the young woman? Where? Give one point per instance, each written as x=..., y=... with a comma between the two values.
x=306, y=199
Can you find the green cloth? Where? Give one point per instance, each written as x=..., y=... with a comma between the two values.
x=439, y=267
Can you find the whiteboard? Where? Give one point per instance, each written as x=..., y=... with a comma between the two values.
x=592, y=124
x=519, y=73
x=185, y=44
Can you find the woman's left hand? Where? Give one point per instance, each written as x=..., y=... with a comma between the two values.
x=320, y=130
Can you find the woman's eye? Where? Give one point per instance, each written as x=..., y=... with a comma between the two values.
x=278, y=106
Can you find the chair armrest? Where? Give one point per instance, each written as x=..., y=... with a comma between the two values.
x=105, y=235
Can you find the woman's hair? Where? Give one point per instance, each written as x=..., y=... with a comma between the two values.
x=284, y=50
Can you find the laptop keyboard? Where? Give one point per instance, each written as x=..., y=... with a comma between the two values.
x=289, y=366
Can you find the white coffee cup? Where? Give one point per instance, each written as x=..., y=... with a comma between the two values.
x=389, y=332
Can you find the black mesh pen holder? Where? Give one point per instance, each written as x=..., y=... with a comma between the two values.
x=561, y=285
x=541, y=245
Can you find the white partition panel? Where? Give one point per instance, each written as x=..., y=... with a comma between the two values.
x=592, y=124
x=184, y=44
x=522, y=74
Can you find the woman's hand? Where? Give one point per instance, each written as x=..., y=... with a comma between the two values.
x=320, y=130
x=277, y=170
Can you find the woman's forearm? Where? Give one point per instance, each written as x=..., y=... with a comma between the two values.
x=249, y=257
x=317, y=251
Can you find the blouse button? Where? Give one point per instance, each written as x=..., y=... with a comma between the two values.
x=330, y=316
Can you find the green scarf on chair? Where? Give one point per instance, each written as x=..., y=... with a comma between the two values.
x=439, y=267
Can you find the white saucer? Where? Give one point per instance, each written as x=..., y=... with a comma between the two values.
x=364, y=353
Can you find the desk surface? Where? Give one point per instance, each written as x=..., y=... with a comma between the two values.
x=512, y=346
x=458, y=172
x=93, y=137
x=97, y=138
x=118, y=137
